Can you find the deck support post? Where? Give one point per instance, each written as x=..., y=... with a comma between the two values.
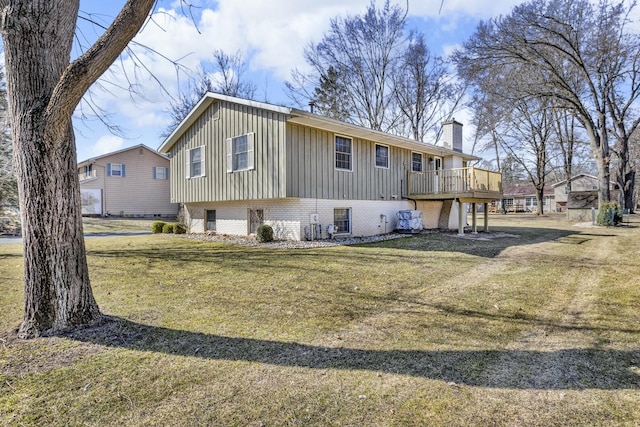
x=474, y=223
x=460, y=218
x=486, y=217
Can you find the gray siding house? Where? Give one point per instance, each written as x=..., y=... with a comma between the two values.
x=132, y=182
x=236, y=164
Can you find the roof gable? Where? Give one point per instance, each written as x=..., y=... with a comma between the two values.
x=124, y=150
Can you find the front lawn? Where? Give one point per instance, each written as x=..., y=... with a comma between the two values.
x=537, y=323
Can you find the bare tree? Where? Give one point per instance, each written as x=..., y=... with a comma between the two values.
x=572, y=50
x=224, y=77
x=181, y=106
x=424, y=91
x=228, y=77
x=569, y=145
x=44, y=87
x=364, y=52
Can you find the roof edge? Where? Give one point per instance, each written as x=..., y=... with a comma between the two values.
x=93, y=159
x=206, y=100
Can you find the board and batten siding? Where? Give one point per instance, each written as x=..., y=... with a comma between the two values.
x=311, y=168
x=223, y=120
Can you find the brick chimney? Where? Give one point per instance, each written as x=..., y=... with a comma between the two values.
x=452, y=135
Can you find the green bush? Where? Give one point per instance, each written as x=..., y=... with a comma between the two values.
x=179, y=229
x=264, y=234
x=609, y=214
x=168, y=228
x=157, y=227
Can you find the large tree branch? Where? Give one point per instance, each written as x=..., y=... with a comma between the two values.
x=86, y=69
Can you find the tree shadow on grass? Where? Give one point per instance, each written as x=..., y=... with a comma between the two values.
x=483, y=244
x=567, y=369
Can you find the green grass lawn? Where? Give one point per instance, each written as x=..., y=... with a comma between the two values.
x=118, y=225
x=537, y=323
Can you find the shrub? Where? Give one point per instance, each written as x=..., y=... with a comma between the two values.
x=179, y=229
x=609, y=214
x=168, y=228
x=264, y=234
x=157, y=227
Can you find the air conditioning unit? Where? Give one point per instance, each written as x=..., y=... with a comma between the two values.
x=314, y=218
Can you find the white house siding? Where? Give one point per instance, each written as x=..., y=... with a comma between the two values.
x=288, y=217
x=136, y=194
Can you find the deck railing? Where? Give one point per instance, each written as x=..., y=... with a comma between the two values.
x=455, y=181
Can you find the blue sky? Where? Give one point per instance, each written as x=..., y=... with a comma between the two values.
x=272, y=36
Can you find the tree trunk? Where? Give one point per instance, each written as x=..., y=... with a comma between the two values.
x=37, y=38
x=56, y=278
x=540, y=197
x=43, y=89
x=629, y=190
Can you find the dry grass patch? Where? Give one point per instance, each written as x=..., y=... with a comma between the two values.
x=537, y=329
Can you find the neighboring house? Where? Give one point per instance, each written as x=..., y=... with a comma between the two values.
x=236, y=164
x=131, y=182
x=522, y=197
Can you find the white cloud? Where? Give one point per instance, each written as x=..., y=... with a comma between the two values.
x=272, y=35
x=452, y=9
x=106, y=144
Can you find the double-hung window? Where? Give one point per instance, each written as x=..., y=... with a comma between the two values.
x=160, y=172
x=382, y=156
x=240, y=152
x=416, y=162
x=342, y=220
x=115, y=169
x=343, y=149
x=195, y=162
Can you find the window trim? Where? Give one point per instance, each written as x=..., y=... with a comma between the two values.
x=202, y=162
x=121, y=171
x=335, y=153
x=421, y=162
x=232, y=152
x=165, y=173
x=207, y=221
x=349, y=221
x=375, y=154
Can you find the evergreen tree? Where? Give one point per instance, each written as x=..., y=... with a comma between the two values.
x=330, y=95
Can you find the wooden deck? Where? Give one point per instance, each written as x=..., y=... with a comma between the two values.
x=468, y=185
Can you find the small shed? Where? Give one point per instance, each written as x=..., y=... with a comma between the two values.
x=580, y=204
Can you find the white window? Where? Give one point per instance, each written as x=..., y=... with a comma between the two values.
x=195, y=162
x=382, y=156
x=343, y=151
x=342, y=220
x=416, y=162
x=160, y=172
x=115, y=169
x=240, y=153
x=88, y=171
x=531, y=202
